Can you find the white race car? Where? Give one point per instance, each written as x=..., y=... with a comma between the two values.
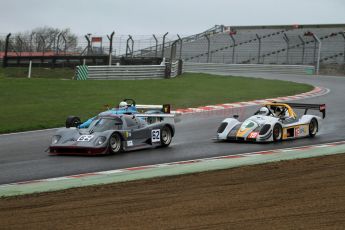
x=273, y=122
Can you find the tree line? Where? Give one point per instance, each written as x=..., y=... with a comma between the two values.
x=42, y=39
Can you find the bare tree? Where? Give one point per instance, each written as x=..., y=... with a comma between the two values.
x=45, y=39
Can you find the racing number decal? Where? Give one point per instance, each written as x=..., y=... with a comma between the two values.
x=156, y=135
x=85, y=138
x=300, y=131
x=253, y=135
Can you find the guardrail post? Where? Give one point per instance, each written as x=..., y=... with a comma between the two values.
x=287, y=41
x=7, y=42
x=111, y=46
x=259, y=51
x=303, y=47
x=208, y=47
x=233, y=48
x=163, y=45
x=156, y=40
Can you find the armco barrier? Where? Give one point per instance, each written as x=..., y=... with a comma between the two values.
x=123, y=72
x=247, y=68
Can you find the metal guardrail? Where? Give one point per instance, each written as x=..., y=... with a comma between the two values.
x=174, y=69
x=121, y=72
x=247, y=68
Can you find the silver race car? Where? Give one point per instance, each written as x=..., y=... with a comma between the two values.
x=114, y=133
x=273, y=122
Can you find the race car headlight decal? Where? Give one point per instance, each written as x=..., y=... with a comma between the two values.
x=265, y=129
x=100, y=140
x=55, y=139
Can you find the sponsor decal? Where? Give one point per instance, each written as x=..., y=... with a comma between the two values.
x=156, y=135
x=253, y=135
x=127, y=134
x=129, y=143
x=85, y=138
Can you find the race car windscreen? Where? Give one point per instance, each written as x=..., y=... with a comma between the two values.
x=104, y=124
x=249, y=124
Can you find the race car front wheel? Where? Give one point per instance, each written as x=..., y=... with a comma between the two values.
x=277, y=132
x=313, y=127
x=166, y=136
x=115, y=143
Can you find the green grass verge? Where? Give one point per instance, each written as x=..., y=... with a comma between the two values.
x=29, y=104
x=36, y=72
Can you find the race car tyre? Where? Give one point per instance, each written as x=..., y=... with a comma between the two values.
x=72, y=121
x=166, y=136
x=277, y=132
x=313, y=127
x=115, y=143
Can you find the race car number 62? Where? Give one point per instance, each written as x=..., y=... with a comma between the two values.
x=156, y=135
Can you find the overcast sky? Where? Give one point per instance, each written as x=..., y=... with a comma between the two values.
x=145, y=17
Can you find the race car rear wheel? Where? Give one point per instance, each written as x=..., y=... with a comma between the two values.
x=277, y=132
x=166, y=136
x=72, y=121
x=115, y=143
x=313, y=127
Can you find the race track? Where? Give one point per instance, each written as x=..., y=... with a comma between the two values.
x=23, y=156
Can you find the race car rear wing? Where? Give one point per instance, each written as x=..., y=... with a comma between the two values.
x=163, y=108
x=320, y=107
x=154, y=118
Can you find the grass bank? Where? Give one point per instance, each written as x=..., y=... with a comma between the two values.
x=28, y=104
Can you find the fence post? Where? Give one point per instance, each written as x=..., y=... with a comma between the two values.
x=58, y=43
x=4, y=63
x=287, y=41
x=87, y=37
x=128, y=47
x=233, y=48
x=181, y=43
x=111, y=46
x=343, y=34
x=163, y=45
x=318, y=54
x=208, y=47
x=65, y=41
x=303, y=47
x=259, y=51
x=31, y=49
x=156, y=40
x=44, y=44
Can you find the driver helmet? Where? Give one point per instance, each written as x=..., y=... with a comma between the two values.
x=264, y=111
x=123, y=105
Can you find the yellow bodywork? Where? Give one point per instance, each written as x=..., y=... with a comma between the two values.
x=241, y=133
x=282, y=105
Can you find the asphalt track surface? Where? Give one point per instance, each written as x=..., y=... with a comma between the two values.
x=23, y=156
